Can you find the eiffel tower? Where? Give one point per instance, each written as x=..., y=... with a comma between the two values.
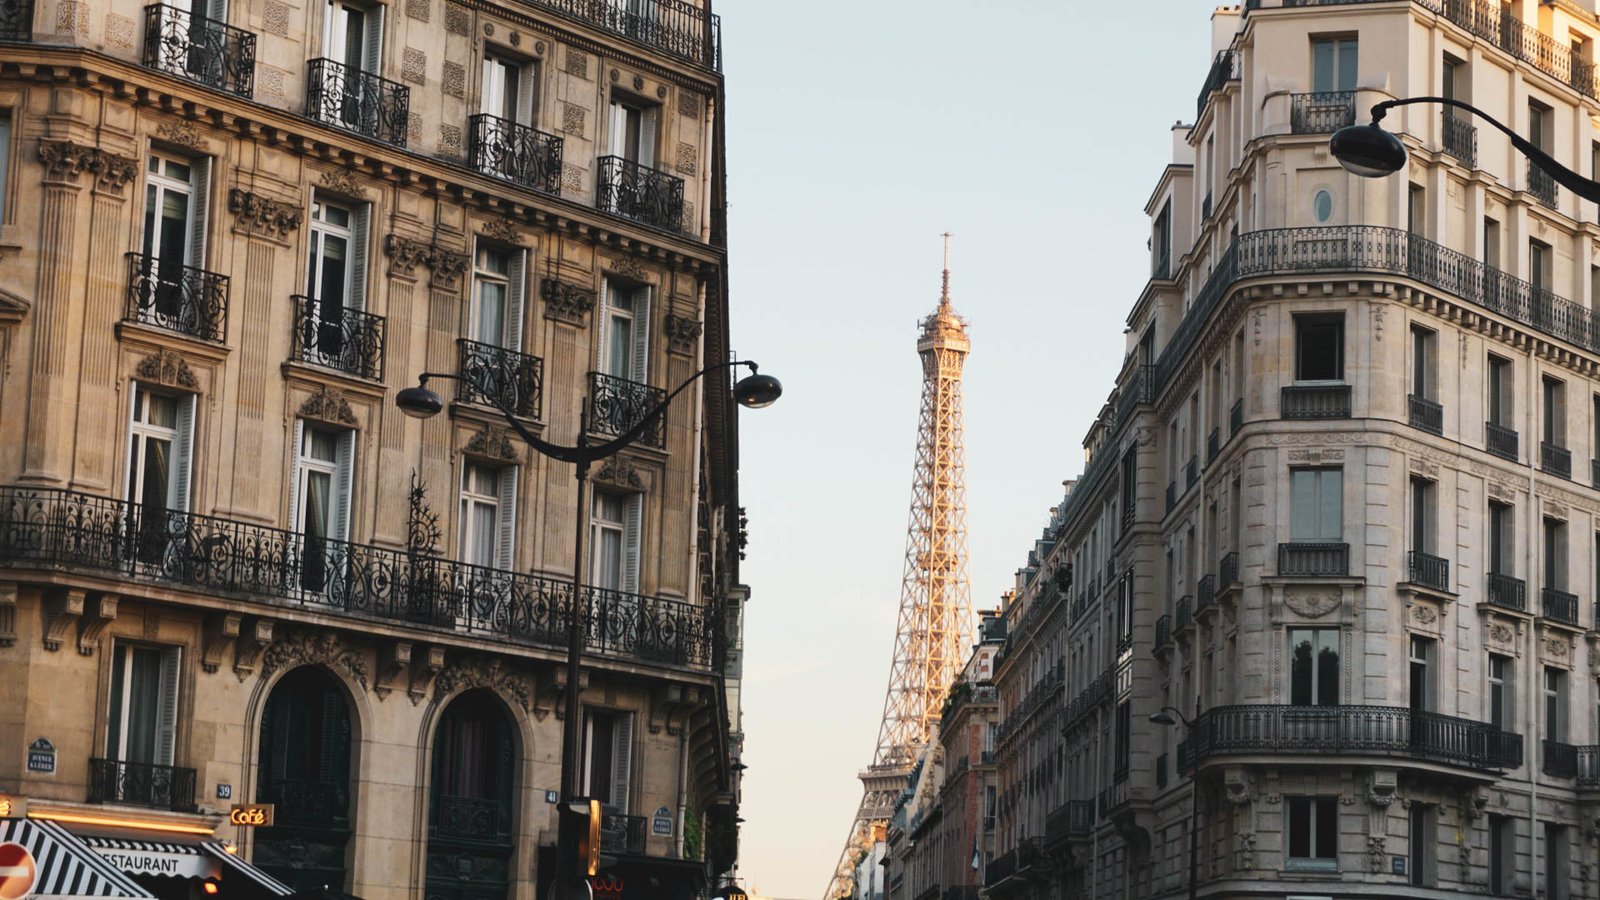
x=931, y=640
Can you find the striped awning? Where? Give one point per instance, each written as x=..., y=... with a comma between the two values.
x=234, y=865
x=179, y=859
x=68, y=867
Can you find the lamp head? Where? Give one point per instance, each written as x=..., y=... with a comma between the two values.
x=1162, y=718
x=757, y=391
x=1367, y=150
x=418, y=402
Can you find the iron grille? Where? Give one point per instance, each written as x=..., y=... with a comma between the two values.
x=1224, y=68
x=640, y=193
x=1191, y=472
x=671, y=26
x=1460, y=138
x=1163, y=632
x=1313, y=559
x=1542, y=185
x=468, y=817
x=504, y=379
x=1559, y=605
x=1323, y=112
x=1426, y=414
x=358, y=101
x=1594, y=472
x=623, y=834
x=1588, y=765
x=1508, y=592
x=141, y=784
x=203, y=50
x=1555, y=460
x=1354, y=730
x=319, y=804
x=1181, y=620
x=177, y=298
x=1236, y=417
x=617, y=405
x=1315, y=401
x=1213, y=444
x=338, y=337
x=1560, y=760
x=1428, y=570
x=516, y=153
x=1500, y=440
x=16, y=20
x=1505, y=749
x=1229, y=569
x=1204, y=593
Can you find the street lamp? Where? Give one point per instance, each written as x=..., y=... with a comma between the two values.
x=754, y=391
x=1369, y=151
x=1161, y=718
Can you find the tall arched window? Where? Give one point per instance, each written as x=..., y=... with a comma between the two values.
x=470, y=804
x=305, y=774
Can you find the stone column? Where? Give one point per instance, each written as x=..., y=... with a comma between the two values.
x=444, y=326
x=394, y=471
x=566, y=361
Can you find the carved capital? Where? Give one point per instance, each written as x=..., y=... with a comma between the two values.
x=91, y=625
x=447, y=266
x=65, y=161
x=329, y=405
x=254, y=640
x=220, y=634
x=393, y=659
x=322, y=647
x=683, y=334
x=492, y=442
x=488, y=673
x=405, y=254
x=62, y=611
x=566, y=302
x=263, y=216
x=168, y=369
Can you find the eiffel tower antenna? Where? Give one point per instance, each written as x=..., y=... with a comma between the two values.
x=935, y=625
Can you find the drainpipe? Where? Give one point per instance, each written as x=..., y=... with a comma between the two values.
x=1535, y=673
x=683, y=786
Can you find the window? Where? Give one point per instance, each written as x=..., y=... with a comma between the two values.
x=1130, y=484
x=488, y=515
x=614, y=539
x=1423, y=516
x=1124, y=737
x=1502, y=692
x=320, y=496
x=172, y=235
x=1594, y=285
x=1594, y=451
x=1316, y=504
x=1322, y=207
x=633, y=130
x=142, y=720
x=1314, y=666
x=497, y=278
x=1502, y=853
x=624, y=346
x=1421, y=689
x=1423, y=353
x=1455, y=85
x=1319, y=348
x=1539, y=264
x=1313, y=833
x=1422, y=840
x=5, y=161
x=1491, y=243
x=1555, y=554
x=1541, y=125
x=1557, y=871
x=352, y=35
x=1333, y=64
x=1502, y=391
x=1502, y=539
x=1416, y=210
x=1555, y=705
x=1555, y=411
x=336, y=269
x=608, y=757
x=160, y=438
x=507, y=89
x=1161, y=243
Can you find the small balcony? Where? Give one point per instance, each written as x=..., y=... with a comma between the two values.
x=1236, y=417
x=640, y=193
x=1323, y=112
x=516, y=153
x=16, y=20
x=469, y=818
x=1506, y=746
x=1559, y=606
x=1500, y=440
x=357, y=101
x=141, y=784
x=199, y=49
x=1205, y=206
x=676, y=27
x=1558, y=760
x=1228, y=570
x=1507, y=592
x=1315, y=401
x=1542, y=186
x=623, y=834
x=501, y=378
x=1555, y=460
x=1594, y=472
x=1172, y=495
x=1588, y=760
x=1182, y=620
x=315, y=804
x=616, y=405
x=1320, y=731
x=1313, y=559
x=177, y=298
x=1213, y=445
x=338, y=337
x=1163, y=633
x=1205, y=592
x=1426, y=414
x=1427, y=570
x=1161, y=771
x=1459, y=138
x=1191, y=472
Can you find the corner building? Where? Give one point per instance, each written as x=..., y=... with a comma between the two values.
x=232, y=571
x=1336, y=511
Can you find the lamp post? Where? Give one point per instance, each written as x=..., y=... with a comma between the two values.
x=1161, y=718
x=754, y=390
x=1369, y=151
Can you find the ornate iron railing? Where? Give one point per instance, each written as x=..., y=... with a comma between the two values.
x=1313, y=559
x=617, y=404
x=1588, y=765
x=1500, y=440
x=1559, y=605
x=1172, y=495
x=317, y=804
x=1428, y=570
x=349, y=340
x=16, y=20
x=177, y=298
x=1508, y=592
x=623, y=834
x=1162, y=269
x=1459, y=138
x=1315, y=401
x=1355, y=730
x=1506, y=747
x=1181, y=619
x=517, y=153
x=1560, y=760
x=671, y=26
x=639, y=192
x=1229, y=569
x=50, y=527
x=1426, y=414
x=204, y=50
x=358, y=101
x=473, y=818
x=504, y=379
x=1323, y=112
x=1205, y=206
x=141, y=784
x=1542, y=185
x=1001, y=868
x=1224, y=68
x=1555, y=460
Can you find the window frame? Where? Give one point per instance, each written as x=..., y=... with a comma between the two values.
x=1315, y=480
x=1316, y=691
x=1311, y=813
x=120, y=700
x=1338, y=80
x=1303, y=324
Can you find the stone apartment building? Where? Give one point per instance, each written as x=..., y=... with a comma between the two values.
x=231, y=571
x=1334, y=514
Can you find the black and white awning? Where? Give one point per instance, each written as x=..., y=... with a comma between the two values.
x=68, y=867
x=207, y=859
x=234, y=866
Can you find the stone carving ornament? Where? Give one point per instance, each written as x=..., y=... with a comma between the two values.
x=65, y=161
x=167, y=368
x=487, y=673
x=1312, y=606
x=683, y=333
x=1501, y=633
x=262, y=215
x=619, y=473
x=1424, y=614
x=329, y=405
x=502, y=230
x=491, y=442
x=342, y=181
x=447, y=266
x=322, y=648
x=566, y=302
x=404, y=253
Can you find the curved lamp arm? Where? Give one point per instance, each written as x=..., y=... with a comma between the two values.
x=1572, y=181
x=1164, y=720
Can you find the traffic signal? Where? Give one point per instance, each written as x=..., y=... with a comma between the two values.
x=580, y=835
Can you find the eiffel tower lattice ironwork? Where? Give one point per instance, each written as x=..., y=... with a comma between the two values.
x=934, y=630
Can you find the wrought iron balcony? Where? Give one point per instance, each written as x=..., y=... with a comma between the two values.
x=1351, y=730
x=471, y=818
x=1426, y=414
x=203, y=50
x=1191, y=472
x=1205, y=206
x=177, y=298
x=338, y=337
x=1542, y=186
x=1315, y=401
x=1229, y=569
x=141, y=784
x=504, y=379
x=623, y=834
x=1459, y=138
x=1224, y=68
x=1558, y=605
x=1213, y=444
x=1235, y=417
x=1559, y=760
x=1172, y=495
x=1182, y=620
x=1555, y=460
x=1505, y=746
x=1161, y=771
x=671, y=26
x=1163, y=633
x=1161, y=269
x=1323, y=112
x=357, y=101
x=317, y=804
x=1594, y=472
x=16, y=20
x=1588, y=765
x=516, y=153
x=1313, y=559
x=1500, y=440
x=1428, y=570
x=51, y=528
x=617, y=404
x=640, y=193
x=1205, y=592
x=1508, y=592
x=1074, y=818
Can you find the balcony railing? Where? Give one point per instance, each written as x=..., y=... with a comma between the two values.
x=471, y=818
x=1558, y=605
x=1224, y=68
x=16, y=20
x=1191, y=472
x=1428, y=570
x=357, y=101
x=1426, y=414
x=1205, y=206
x=1235, y=417
x=504, y=379
x=1559, y=760
x=638, y=192
x=177, y=298
x=1594, y=472
x=1505, y=746
x=1313, y=559
x=42, y=527
x=1161, y=771
x=1508, y=592
x=318, y=804
x=1322, y=113
x=141, y=784
x=1172, y=495
x=617, y=404
x=671, y=26
x=1213, y=444
x=517, y=153
x=623, y=834
x=1315, y=401
x=1354, y=730
x=1228, y=569
x=1541, y=185
x=1588, y=765
x=1181, y=620
x=338, y=337
x=1555, y=460
x=1500, y=440
x=200, y=49
x=1163, y=632
x=1205, y=592
x=1459, y=138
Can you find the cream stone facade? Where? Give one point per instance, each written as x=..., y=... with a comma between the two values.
x=231, y=570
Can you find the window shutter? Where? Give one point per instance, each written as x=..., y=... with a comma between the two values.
x=618, y=139
x=167, y=707
x=182, y=453
x=621, y=760
x=217, y=10
x=345, y=458
x=602, y=325
x=512, y=333
x=492, y=89
x=647, y=137
x=294, y=475
x=505, y=553
x=358, y=257
x=199, y=205
x=641, y=335
x=525, y=82
x=373, y=56
x=632, y=528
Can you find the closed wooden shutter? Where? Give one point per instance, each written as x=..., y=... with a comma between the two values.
x=358, y=257
x=633, y=523
x=199, y=207
x=345, y=461
x=602, y=325
x=621, y=760
x=182, y=454
x=372, y=57
x=506, y=548
x=512, y=332
x=295, y=523
x=167, y=706
x=641, y=335
x=527, y=76
x=647, y=136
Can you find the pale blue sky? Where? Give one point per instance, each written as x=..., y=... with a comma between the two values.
x=858, y=131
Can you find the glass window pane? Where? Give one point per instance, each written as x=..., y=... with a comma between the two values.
x=491, y=312
x=1301, y=673
x=1347, y=66
x=1328, y=667
x=1302, y=504
x=1300, y=827
x=1330, y=504
x=1327, y=828
x=316, y=519
x=1322, y=66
